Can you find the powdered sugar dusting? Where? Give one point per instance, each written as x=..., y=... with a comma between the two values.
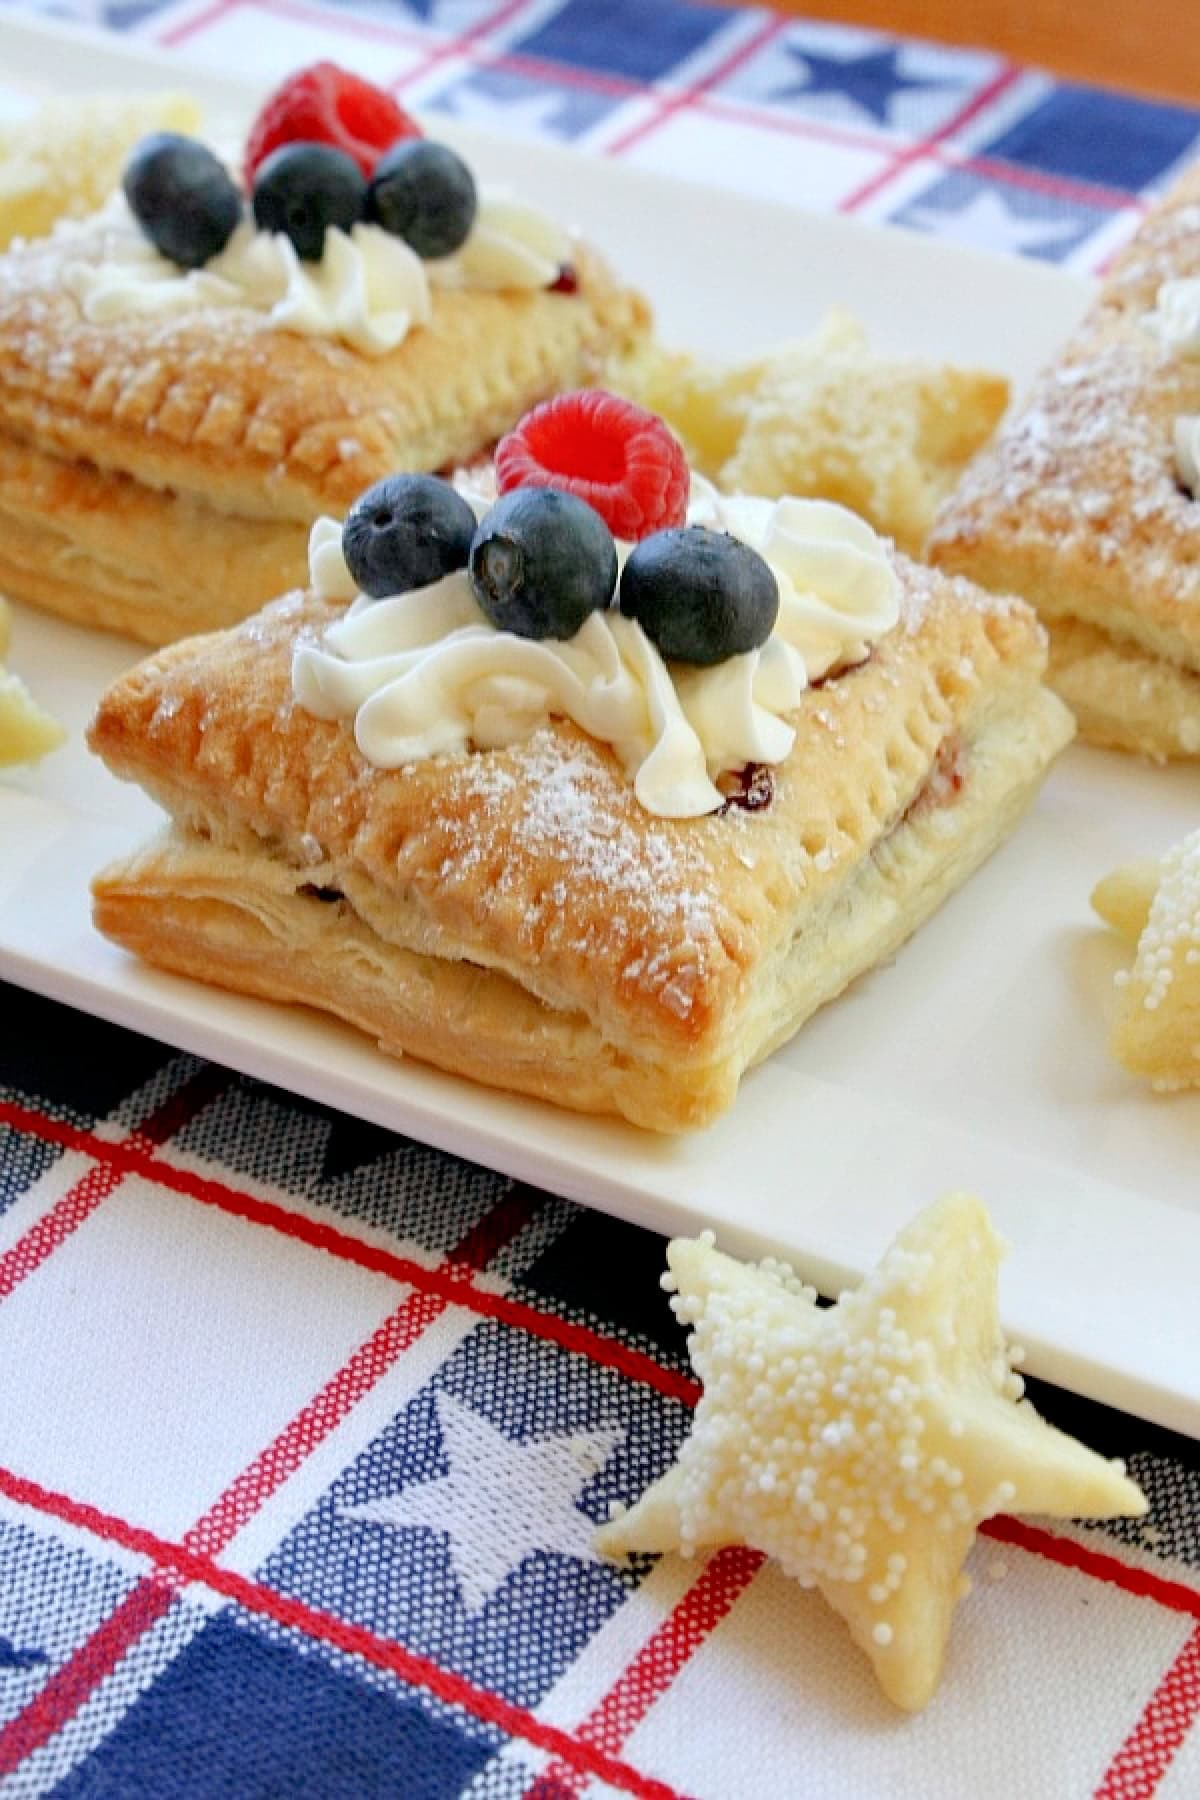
x=575, y=821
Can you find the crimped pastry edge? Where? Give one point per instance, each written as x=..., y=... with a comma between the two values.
x=274, y=424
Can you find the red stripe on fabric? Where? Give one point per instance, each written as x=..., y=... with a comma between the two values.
x=460, y=45
x=1168, y=1716
x=1008, y=76
x=688, y=96
x=70, y=1685
x=1174, y=1595
x=1147, y=1753
x=250, y=1490
x=181, y=1565
x=100, y=1653
x=342, y=1393
x=84, y=1196
x=449, y=1280
x=657, y=1664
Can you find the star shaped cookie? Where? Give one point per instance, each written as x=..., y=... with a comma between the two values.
x=862, y=1445
x=1157, y=1027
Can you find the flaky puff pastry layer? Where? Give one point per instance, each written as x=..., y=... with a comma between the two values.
x=1078, y=508
x=158, y=477
x=516, y=915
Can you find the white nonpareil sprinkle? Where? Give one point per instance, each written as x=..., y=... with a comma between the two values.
x=1171, y=937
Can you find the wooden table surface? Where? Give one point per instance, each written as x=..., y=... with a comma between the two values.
x=1146, y=46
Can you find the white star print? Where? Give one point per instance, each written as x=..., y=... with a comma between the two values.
x=987, y=223
x=500, y=1501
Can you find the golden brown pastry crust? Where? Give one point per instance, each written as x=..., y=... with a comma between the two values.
x=1078, y=508
x=159, y=476
x=270, y=424
x=687, y=949
x=102, y=549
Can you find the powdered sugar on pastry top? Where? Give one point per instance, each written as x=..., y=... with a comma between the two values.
x=1089, y=464
x=1092, y=458
x=426, y=673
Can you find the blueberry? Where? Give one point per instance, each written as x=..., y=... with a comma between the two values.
x=182, y=197
x=405, y=532
x=701, y=595
x=301, y=189
x=425, y=194
x=541, y=562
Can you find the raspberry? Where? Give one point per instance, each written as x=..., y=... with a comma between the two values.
x=327, y=105
x=619, y=458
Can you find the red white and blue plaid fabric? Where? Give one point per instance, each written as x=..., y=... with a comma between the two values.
x=304, y=1427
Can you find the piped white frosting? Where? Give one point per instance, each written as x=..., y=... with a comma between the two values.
x=369, y=289
x=1177, y=316
x=1187, y=452
x=426, y=673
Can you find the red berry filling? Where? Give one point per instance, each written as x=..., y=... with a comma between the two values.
x=619, y=458
x=327, y=105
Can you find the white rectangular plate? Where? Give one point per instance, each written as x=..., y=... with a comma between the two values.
x=977, y=1059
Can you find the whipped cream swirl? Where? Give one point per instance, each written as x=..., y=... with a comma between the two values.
x=1187, y=452
x=426, y=673
x=1177, y=316
x=369, y=288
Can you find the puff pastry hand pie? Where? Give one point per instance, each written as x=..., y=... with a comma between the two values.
x=165, y=443
x=1156, y=905
x=1086, y=503
x=576, y=911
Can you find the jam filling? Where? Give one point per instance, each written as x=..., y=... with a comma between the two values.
x=567, y=282
x=327, y=894
x=946, y=778
x=749, y=789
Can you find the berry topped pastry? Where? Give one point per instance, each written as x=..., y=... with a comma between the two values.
x=192, y=375
x=573, y=776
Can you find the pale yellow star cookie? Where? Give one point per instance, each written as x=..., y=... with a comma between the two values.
x=1157, y=1027
x=888, y=437
x=66, y=158
x=27, y=731
x=863, y=1444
